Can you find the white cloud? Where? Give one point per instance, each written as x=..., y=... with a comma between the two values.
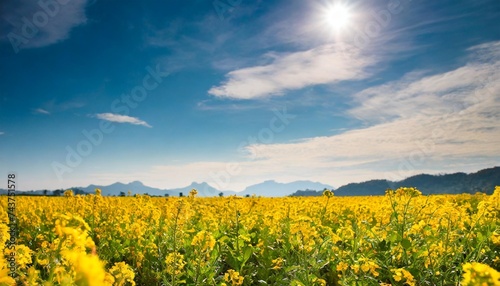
x=430, y=95
x=422, y=123
x=50, y=23
x=326, y=64
x=416, y=123
x=2, y=133
x=41, y=111
x=122, y=119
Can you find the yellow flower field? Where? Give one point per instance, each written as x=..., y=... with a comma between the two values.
x=402, y=238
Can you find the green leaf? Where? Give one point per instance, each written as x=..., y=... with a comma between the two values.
x=232, y=261
x=247, y=254
x=406, y=243
x=480, y=236
x=393, y=237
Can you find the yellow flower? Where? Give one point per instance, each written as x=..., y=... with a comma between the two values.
x=327, y=193
x=277, y=263
x=136, y=232
x=204, y=240
x=122, y=273
x=89, y=270
x=43, y=261
x=22, y=255
x=73, y=231
x=4, y=233
x=5, y=279
x=233, y=277
x=495, y=238
x=319, y=281
x=175, y=263
x=355, y=268
x=69, y=193
x=404, y=192
x=193, y=193
x=33, y=276
x=403, y=275
x=479, y=274
x=369, y=266
x=342, y=266
x=109, y=279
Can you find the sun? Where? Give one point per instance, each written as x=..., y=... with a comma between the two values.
x=338, y=16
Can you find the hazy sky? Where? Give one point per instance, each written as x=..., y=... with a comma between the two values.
x=235, y=92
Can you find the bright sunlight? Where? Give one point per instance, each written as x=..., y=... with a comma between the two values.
x=338, y=16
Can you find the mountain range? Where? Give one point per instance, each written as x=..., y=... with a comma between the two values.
x=264, y=189
x=482, y=181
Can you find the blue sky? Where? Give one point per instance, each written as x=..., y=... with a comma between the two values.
x=237, y=92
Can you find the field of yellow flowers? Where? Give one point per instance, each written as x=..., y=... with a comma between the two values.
x=402, y=238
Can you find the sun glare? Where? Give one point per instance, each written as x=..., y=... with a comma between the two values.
x=338, y=16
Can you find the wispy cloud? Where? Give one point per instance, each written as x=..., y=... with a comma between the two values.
x=53, y=22
x=54, y=106
x=41, y=111
x=122, y=119
x=415, y=123
x=421, y=123
x=2, y=133
x=326, y=64
x=186, y=51
x=433, y=95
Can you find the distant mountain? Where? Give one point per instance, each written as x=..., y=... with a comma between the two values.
x=457, y=183
x=204, y=190
x=265, y=189
x=135, y=187
x=373, y=187
x=76, y=191
x=274, y=189
x=26, y=193
x=307, y=193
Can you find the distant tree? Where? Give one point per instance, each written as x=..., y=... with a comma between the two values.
x=181, y=194
x=221, y=194
x=167, y=195
x=122, y=194
x=57, y=193
x=45, y=192
x=78, y=192
x=306, y=193
x=247, y=195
